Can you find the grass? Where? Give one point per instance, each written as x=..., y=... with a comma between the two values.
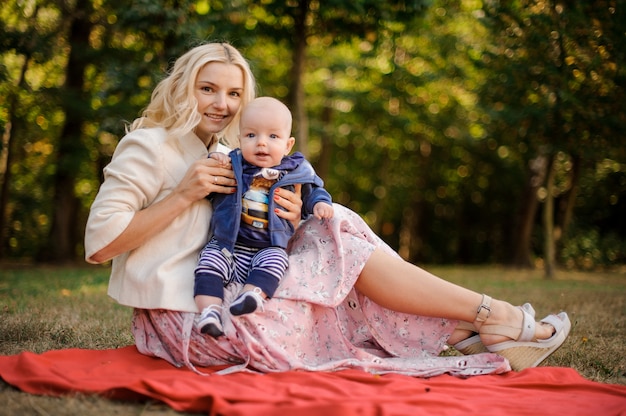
x=53, y=308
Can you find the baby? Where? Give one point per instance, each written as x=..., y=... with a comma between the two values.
x=249, y=239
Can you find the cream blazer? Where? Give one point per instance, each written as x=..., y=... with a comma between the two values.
x=146, y=166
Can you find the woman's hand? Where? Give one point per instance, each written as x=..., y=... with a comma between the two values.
x=205, y=176
x=291, y=202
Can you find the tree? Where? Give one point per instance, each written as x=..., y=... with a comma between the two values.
x=430, y=122
x=28, y=49
x=63, y=236
x=557, y=93
x=298, y=23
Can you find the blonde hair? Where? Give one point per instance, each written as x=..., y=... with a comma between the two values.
x=173, y=105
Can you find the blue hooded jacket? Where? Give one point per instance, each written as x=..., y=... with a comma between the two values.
x=226, y=219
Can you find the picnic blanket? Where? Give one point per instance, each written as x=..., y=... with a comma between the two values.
x=125, y=374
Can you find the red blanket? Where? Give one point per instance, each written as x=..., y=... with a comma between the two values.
x=125, y=374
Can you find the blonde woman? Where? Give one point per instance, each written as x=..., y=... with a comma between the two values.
x=347, y=300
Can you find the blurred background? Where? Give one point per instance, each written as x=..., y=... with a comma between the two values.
x=464, y=132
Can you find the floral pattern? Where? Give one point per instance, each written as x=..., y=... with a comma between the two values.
x=316, y=320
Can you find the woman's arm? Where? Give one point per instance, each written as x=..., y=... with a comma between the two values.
x=203, y=177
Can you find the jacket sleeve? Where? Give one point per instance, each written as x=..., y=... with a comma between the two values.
x=311, y=195
x=132, y=181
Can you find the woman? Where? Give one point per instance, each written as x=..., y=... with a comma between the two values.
x=347, y=301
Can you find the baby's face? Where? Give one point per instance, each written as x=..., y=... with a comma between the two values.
x=265, y=136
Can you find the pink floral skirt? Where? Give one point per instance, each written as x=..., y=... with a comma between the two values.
x=316, y=320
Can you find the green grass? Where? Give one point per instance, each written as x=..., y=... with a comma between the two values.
x=48, y=308
x=53, y=308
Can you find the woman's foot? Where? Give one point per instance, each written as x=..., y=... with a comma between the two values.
x=513, y=333
x=466, y=340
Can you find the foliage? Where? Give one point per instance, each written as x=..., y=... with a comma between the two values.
x=424, y=117
x=596, y=238
x=558, y=91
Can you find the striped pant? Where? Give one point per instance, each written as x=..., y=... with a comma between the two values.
x=217, y=268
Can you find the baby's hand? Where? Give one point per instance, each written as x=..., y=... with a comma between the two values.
x=224, y=159
x=323, y=210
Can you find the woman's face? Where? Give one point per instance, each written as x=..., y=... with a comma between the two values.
x=219, y=90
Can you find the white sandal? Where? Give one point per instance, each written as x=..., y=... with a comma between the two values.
x=525, y=351
x=473, y=345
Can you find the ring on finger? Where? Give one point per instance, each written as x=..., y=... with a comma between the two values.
x=215, y=180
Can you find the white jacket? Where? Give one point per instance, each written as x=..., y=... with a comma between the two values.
x=146, y=167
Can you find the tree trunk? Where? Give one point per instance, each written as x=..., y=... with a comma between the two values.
x=567, y=209
x=325, y=157
x=408, y=245
x=412, y=235
x=296, y=92
x=381, y=203
x=548, y=223
x=64, y=234
x=6, y=155
x=529, y=203
x=8, y=151
x=558, y=134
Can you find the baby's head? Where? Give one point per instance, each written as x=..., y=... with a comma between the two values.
x=265, y=132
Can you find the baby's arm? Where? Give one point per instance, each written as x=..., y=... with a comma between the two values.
x=323, y=210
x=223, y=158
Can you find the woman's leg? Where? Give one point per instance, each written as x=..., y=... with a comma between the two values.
x=398, y=285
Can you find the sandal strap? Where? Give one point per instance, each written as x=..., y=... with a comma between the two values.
x=503, y=330
x=528, y=328
x=524, y=334
x=556, y=322
x=466, y=326
x=484, y=309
